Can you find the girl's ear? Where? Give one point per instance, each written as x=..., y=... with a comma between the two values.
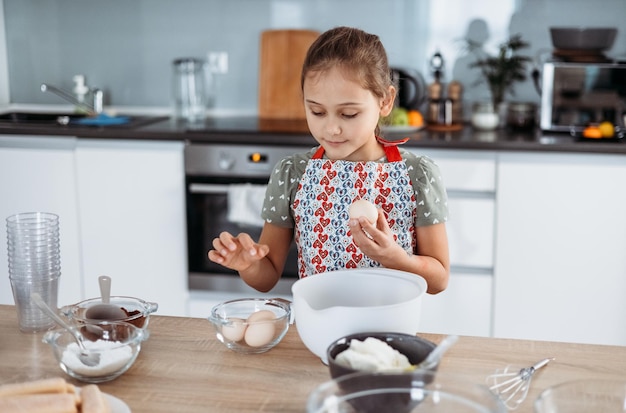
x=387, y=102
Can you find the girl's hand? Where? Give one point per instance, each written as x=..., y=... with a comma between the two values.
x=237, y=253
x=431, y=260
x=375, y=241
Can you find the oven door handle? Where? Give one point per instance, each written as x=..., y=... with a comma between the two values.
x=208, y=189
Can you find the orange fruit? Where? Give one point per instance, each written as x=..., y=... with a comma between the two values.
x=592, y=132
x=606, y=129
x=415, y=118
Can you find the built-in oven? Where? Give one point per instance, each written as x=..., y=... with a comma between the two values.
x=210, y=169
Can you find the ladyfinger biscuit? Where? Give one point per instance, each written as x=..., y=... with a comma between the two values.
x=92, y=400
x=39, y=403
x=52, y=385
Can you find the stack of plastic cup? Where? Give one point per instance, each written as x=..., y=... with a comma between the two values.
x=34, y=266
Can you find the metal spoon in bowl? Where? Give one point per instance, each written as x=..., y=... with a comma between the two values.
x=434, y=356
x=85, y=356
x=105, y=311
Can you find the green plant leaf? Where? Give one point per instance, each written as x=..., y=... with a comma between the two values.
x=504, y=69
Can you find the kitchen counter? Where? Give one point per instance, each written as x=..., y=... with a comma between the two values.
x=183, y=368
x=252, y=130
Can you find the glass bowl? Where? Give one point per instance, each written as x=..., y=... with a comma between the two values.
x=579, y=396
x=251, y=325
x=117, y=342
x=138, y=310
x=418, y=391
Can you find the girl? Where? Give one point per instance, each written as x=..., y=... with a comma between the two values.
x=347, y=88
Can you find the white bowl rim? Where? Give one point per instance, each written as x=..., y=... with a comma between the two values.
x=407, y=276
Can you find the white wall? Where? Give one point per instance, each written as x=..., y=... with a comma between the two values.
x=4, y=72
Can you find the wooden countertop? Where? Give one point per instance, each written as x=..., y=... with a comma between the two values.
x=182, y=367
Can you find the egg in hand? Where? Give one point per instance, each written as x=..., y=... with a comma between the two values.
x=363, y=208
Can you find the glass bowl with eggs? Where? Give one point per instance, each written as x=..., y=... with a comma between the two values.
x=251, y=325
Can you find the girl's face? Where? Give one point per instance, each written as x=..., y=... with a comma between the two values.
x=342, y=115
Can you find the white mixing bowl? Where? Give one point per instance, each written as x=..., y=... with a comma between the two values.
x=334, y=304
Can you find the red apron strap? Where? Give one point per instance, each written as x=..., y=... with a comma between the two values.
x=392, y=143
x=391, y=150
x=319, y=153
x=393, y=153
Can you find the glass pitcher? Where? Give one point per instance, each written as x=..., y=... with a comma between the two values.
x=192, y=89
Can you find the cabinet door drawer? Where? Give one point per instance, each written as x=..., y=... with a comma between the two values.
x=38, y=175
x=471, y=232
x=463, y=308
x=464, y=170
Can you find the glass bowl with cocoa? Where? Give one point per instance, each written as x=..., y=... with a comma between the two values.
x=133, y=310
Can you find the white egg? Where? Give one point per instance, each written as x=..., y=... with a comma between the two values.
x=261, y=315
x=363, y=208
x=260, y=329
x=235, y=329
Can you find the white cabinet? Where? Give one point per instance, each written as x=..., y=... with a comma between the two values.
x=462, y=308
x=38, y=174
x=121, y=213
x=471, y=230
x=132, y=212
x=465, y=307
x=561, y=240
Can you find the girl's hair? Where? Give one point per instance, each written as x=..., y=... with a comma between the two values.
x=356, y=52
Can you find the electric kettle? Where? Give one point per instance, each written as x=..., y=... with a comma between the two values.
x=410, y=86
x=191, y=89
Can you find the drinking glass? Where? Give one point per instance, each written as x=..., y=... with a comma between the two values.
x=33, y=247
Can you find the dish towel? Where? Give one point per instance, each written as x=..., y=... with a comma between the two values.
x=245, y=202
x=103, y=120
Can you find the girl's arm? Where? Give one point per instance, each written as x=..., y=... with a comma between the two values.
x=433, y=259
x=264, y=274
x=260, y=264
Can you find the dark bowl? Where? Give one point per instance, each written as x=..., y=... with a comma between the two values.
x=596, y=39
x=416, y=349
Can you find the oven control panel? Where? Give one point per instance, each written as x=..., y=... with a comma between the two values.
x=235, y=160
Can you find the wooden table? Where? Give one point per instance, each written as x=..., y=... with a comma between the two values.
x=184, y=368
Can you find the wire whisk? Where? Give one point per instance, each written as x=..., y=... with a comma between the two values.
x=512, y=385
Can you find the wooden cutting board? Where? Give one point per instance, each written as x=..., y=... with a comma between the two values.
x=280, y=66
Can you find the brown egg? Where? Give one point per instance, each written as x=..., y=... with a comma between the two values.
x=363, y=208
x=260, y=329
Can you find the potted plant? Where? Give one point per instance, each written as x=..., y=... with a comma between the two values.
x=503, y=70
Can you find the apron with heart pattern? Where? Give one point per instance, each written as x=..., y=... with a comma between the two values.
x=324, y=194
